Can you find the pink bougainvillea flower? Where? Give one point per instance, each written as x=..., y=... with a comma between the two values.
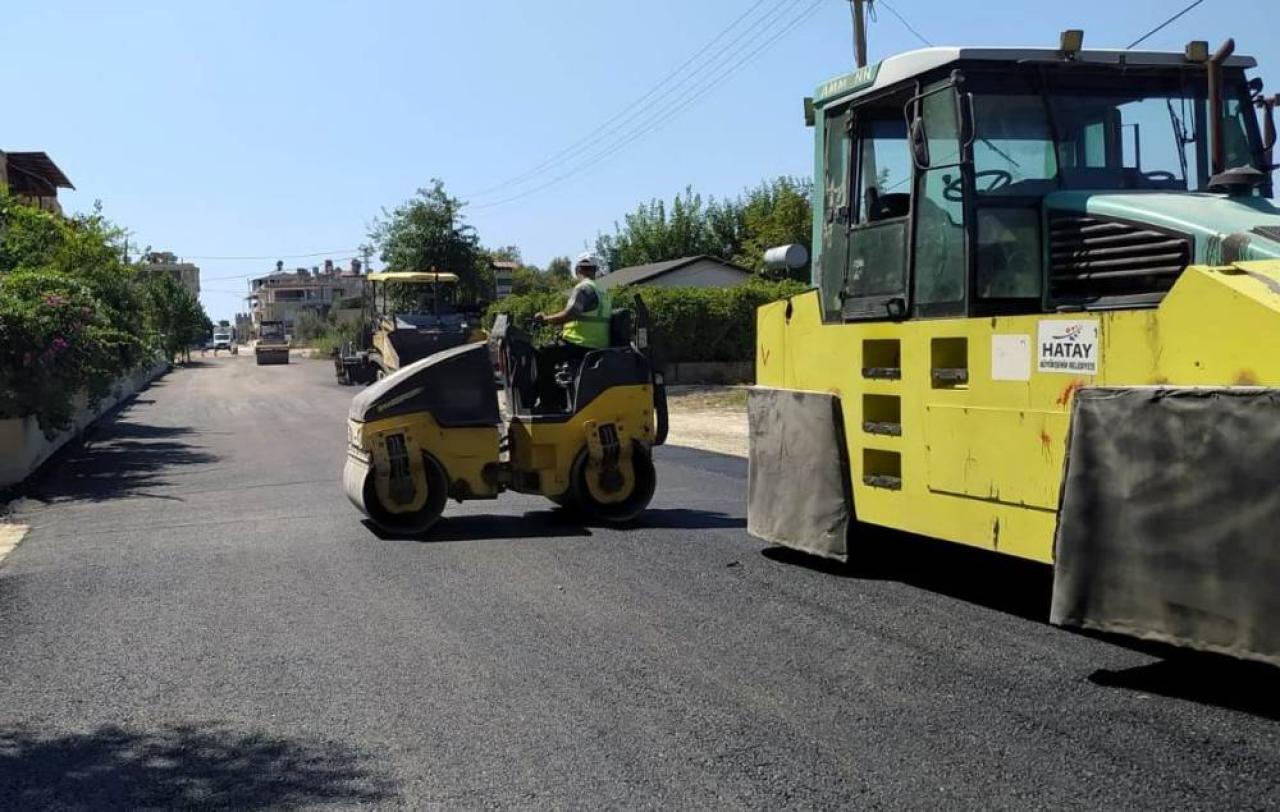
x=60, y=344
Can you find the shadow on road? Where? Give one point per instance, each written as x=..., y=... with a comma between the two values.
x=685, y=519
x=1025, y=589
x=1000, y=582
x=1203, y=678
x=491, y=527
x=553, y=523
x=181, y=766
x=123, y=459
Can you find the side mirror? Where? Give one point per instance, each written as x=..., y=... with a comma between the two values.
x=919, y=143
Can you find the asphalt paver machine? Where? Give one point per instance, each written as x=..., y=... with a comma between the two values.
x=408, y=316
x=582, y=436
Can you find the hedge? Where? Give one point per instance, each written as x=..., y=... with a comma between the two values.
x=73, y=316
x=688, y=324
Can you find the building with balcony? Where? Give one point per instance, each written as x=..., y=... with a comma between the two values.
x=33, y=178
x=187, y=274
x=284, y=295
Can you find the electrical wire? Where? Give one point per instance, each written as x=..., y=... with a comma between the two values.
x=278, y=256
x=903, y=20
x=1162, y=25
x=663, y=117
x=636, y=110
x=629, y=108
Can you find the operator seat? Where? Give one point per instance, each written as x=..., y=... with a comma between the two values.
x=522, y=371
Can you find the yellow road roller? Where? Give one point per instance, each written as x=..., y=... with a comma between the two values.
x=580, y=435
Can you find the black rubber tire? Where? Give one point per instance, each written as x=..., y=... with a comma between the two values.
x=565, y=500
x=411, y=523
x=614, y=512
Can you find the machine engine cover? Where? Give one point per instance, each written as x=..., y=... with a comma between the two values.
x=454, y=386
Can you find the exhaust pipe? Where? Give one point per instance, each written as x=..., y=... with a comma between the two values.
x=1218, y=160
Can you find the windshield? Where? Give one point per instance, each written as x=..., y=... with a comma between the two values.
x=1102, y=132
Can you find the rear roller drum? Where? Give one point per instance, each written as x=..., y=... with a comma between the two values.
x=616, y=495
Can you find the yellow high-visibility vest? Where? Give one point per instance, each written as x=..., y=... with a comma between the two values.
x=591, y=329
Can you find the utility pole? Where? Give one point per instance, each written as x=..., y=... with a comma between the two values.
x=859, y=31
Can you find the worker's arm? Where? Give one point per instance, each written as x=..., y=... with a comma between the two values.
x=575, y=307
x=556, y=318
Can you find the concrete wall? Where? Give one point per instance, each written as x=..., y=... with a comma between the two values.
x=24, y=447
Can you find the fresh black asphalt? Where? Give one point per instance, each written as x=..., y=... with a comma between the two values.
x=199, y=617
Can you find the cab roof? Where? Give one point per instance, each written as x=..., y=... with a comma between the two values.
x=413, y=277
x=914, y=63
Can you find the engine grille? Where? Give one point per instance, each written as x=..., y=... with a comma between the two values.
x=1092, y=258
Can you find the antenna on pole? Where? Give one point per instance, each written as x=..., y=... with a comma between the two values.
x=857, y=9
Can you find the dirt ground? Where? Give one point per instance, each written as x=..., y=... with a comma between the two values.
x=712, y=418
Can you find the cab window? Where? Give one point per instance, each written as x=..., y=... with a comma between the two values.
x=939, y=257
x=876, y=270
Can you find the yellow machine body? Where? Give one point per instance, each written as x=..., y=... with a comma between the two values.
x=469, y=456
x=434, y=431
x=543, y=453
x=967, y=443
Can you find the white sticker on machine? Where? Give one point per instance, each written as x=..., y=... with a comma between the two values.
x=1010, y=357
x=1068, y=346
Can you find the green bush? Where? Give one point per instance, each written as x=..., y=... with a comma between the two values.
x=74, y=317
x=688, y=324
x=55, y=342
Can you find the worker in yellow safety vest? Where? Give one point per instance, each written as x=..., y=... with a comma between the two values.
x=585, y=317
x=584, y=320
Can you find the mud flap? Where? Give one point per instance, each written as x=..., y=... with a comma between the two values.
x=1169, y=522
x=798, y=492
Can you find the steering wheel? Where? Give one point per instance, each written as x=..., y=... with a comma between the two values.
x=954, y=190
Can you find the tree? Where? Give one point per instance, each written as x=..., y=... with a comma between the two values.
x=174, y=314
x=776, y=212
x=654, y=233
x=428, y=231
x=560, y=268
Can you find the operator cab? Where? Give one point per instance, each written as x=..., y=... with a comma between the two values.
x=539, y=390
x=961, y=182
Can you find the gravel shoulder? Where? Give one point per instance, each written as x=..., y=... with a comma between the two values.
x=710, y=418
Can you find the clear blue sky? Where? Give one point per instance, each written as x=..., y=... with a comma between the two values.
x=280, y=128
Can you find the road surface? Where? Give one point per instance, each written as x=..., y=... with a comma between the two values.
x=197, y=616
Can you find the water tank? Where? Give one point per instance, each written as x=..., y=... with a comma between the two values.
x=786, y=257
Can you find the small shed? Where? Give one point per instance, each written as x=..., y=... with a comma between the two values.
x=702, y=271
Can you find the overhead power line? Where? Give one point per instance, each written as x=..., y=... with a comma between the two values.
x=1162, y=25
x=666, y=114
x=627, y=109
x=903, y=20
x=659, y=94
x=280, y=256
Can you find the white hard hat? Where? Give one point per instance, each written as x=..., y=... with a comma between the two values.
x=588, y=258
